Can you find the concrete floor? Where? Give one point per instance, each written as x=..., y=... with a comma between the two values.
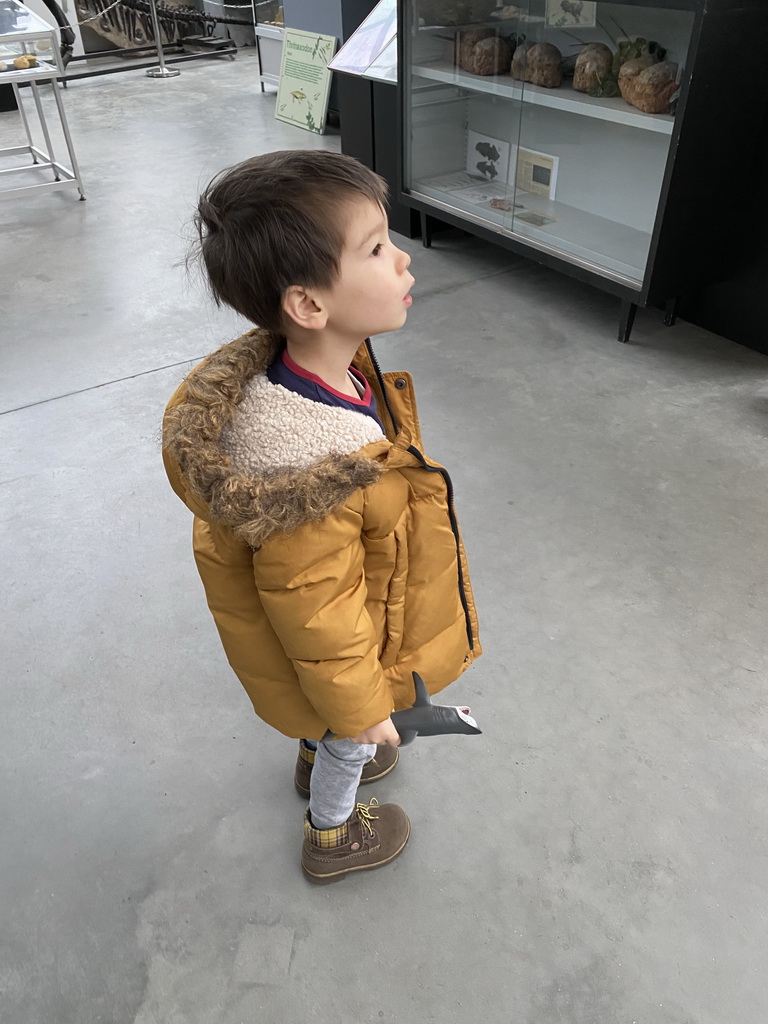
x=598, y=856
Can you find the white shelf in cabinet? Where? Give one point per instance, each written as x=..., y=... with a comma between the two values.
x=565, y=98
x=614, y=250
x=42, y=72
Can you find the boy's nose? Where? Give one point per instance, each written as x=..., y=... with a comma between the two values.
x=404, y=259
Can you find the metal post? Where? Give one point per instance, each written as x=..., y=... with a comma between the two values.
x=162, y=71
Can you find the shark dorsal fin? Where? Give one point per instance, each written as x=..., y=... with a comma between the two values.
x=422, y=697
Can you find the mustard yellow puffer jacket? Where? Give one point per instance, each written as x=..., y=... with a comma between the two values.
x=330, y=554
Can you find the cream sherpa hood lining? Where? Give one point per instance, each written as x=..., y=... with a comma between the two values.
x=258, y=494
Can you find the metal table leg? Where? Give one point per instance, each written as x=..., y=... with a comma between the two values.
x=68, y=139
x=46, y=133
x=24, y=121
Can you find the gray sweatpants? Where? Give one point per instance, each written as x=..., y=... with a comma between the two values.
x=335, y=778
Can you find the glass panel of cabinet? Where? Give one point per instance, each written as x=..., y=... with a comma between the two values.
x=27, y=43
x=550, y=121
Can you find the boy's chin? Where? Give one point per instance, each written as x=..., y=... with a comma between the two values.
x=394, y=326
x=384, y=330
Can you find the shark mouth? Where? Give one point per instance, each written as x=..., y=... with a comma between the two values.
x=465, y=714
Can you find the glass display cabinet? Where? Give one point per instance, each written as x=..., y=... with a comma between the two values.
x=269, y=31
x=603, y=138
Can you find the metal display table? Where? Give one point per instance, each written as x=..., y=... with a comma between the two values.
x=22, y=33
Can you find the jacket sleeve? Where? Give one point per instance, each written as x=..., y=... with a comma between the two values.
x=312, y=586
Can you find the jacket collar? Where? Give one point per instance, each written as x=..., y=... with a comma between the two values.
x=279, y=499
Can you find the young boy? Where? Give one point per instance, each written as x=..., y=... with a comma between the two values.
x=326, y=541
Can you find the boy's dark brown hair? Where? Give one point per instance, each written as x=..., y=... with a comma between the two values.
x=278, y=220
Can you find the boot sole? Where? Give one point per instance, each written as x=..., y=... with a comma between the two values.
x=337, y=876
x=363, y=782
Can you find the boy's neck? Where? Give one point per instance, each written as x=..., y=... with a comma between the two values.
x=327, y=357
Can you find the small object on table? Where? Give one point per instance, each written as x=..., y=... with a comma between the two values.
x=505, y=204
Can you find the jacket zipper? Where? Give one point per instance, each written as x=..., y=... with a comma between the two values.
x=455, y=527
x=449, y=487
x=380, y=376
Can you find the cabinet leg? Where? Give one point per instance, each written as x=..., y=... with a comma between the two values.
x=426, y=231
x=627, y=319
x=258, y=57
x=670, y=312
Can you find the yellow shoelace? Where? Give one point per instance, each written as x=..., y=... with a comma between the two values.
x=365, y=816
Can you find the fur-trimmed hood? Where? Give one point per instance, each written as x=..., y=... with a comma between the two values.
x=263, y=459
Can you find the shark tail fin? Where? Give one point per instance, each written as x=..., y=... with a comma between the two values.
x=407, y=736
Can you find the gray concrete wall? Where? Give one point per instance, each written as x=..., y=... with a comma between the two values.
x=323, y=16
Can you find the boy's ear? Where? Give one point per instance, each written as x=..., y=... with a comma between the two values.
x=304, y=308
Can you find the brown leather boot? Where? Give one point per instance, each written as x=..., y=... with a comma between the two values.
x=371, y=837
x=382, y=763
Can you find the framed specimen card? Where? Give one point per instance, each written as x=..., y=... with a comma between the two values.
x=571, y=14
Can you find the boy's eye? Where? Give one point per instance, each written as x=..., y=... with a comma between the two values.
x=376, y=249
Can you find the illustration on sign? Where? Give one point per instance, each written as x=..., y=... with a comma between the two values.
x=571, y=13
x=305, y=81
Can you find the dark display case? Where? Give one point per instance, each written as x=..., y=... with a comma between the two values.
x=613, y=141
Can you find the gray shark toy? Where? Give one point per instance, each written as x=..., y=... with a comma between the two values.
x=427, y=719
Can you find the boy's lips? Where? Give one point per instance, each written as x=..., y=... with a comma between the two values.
x=408, y=300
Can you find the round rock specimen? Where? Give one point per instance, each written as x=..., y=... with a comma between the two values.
x=482, y=52
x=593, y=65
x=539, y=65
x=648, y=88
x=519, y=62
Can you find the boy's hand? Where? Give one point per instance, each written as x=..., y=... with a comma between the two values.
x=384, y=732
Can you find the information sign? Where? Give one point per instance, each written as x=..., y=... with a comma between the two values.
x=305, y=81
